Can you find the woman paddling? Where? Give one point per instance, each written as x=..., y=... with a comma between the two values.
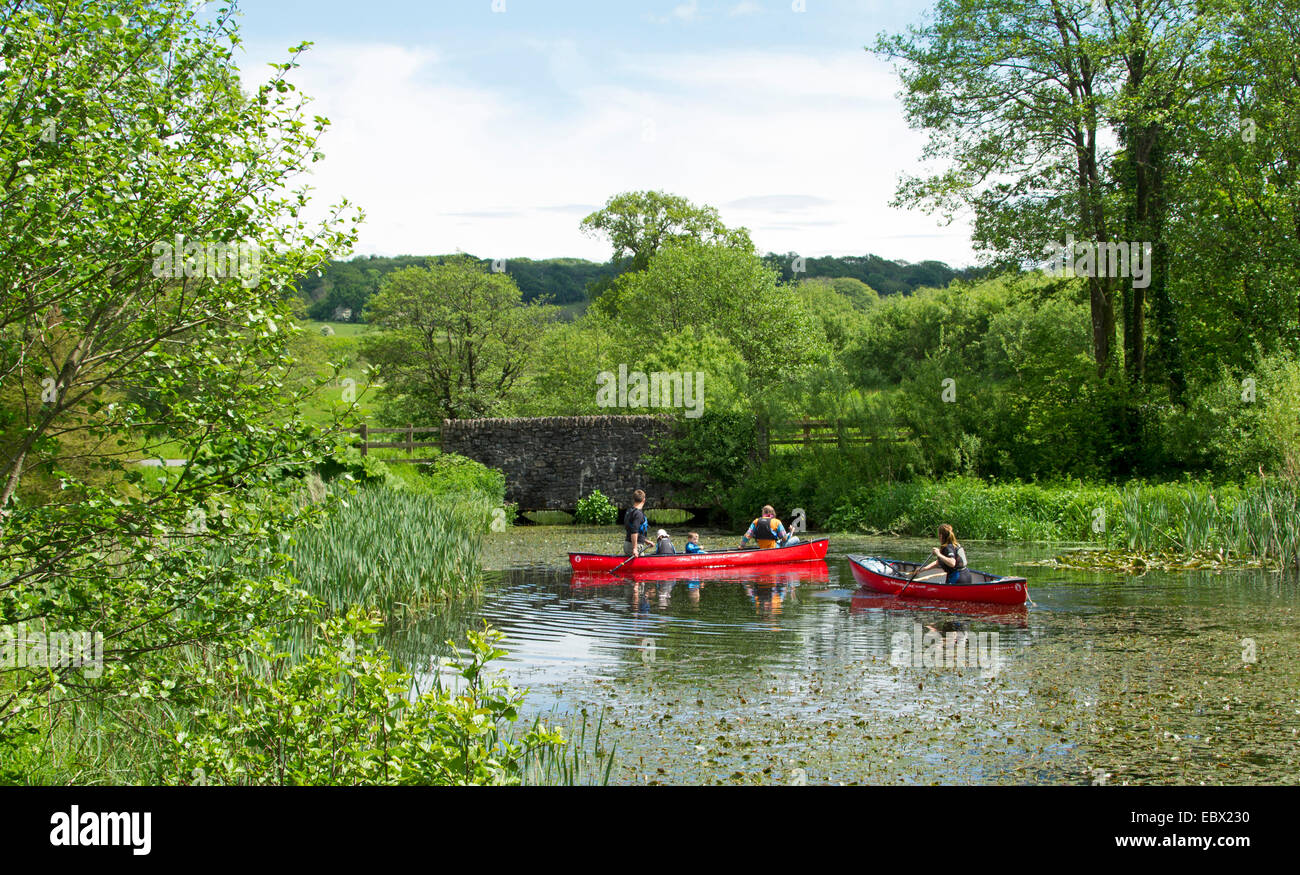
x=951, y=556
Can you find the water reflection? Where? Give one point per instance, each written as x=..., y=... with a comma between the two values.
x=745, y=674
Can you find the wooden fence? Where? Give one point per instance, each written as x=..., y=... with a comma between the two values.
x=815, y=432
x=410, y=444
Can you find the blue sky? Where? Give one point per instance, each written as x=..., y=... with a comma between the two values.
x=493, y=128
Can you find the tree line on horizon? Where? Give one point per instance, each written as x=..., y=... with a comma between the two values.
x=340, y=290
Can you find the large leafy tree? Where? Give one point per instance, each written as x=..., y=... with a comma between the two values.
x=1059, y=117
x=724, y=290
x=456, y=339
x=639, y=223
x=1236, y=270
x=124, y=133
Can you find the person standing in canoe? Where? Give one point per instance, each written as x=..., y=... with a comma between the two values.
x=635, y=525
x=949, y=555
x=766, y=530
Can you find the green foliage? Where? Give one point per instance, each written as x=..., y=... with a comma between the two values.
x=977, y=510
x=596, y=509
x=725, y=291
x=142, y=359
x=869, y=272
x=454, y=342
x=342, y=716
x=396, y=550
x=349, y=285
x=549, y=517
x=561, y=379
x=640, y=223
x=703, y=458
x=667, y=516
x=450, y=475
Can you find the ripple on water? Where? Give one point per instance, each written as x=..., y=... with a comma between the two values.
x=1107, y=678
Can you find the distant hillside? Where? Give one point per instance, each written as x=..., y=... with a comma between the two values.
x=342, y=290
x=885, y=276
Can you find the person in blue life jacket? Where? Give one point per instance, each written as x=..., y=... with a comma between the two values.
x=950, y=556
x=693, y=543
x=636, y=526
x=766, y=530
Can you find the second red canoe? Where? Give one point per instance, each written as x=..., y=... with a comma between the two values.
x=893, y=577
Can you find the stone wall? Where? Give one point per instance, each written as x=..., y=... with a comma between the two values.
x=551, y=462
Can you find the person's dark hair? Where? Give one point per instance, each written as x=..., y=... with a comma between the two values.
x=638, y=496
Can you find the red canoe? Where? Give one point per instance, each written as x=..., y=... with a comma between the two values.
x=890, y=576
x=802, y=573
x=801, y=552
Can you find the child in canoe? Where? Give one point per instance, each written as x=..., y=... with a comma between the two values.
x=664, y=544
x=693, y=543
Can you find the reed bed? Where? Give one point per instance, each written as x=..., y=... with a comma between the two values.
x=1259, y=521
x=393, y=550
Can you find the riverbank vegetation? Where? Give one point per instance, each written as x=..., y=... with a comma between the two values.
x=155, y=621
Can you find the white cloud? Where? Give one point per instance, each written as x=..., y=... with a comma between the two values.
x=803, y=150
x=746, y=7
x=688, y=11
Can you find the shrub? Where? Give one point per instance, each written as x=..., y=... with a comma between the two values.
x=342, y=716
x=596, y=510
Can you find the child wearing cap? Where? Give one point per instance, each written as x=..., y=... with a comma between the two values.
x=664, y=544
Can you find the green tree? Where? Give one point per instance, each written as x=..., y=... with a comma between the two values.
x=1021, y=96
x=723, y=290
x=126, y=136
x=456, y=337
x=639, y=223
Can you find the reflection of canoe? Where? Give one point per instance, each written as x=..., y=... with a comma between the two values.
x=891, y=577
x=801, y=552
x=869, y=600
x=802, y=573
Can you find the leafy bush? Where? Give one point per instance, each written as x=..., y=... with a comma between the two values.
x=450, y=474
x=596, y=510
x=341, y=716
x=704, y=457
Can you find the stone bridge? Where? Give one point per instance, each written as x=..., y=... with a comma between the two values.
x=551, y=462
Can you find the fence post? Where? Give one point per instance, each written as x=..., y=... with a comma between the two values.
x=807, y=434
x=410, y=439
x=364, y=442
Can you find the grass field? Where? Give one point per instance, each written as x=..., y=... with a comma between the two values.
x=341, y=329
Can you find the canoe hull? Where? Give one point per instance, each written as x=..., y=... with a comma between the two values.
x=777, y=574
x=802, y=552
x=890, y=576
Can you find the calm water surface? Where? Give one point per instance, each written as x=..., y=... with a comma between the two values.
x=750, y=677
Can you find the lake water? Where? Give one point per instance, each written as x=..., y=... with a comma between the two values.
x=1184, y=677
